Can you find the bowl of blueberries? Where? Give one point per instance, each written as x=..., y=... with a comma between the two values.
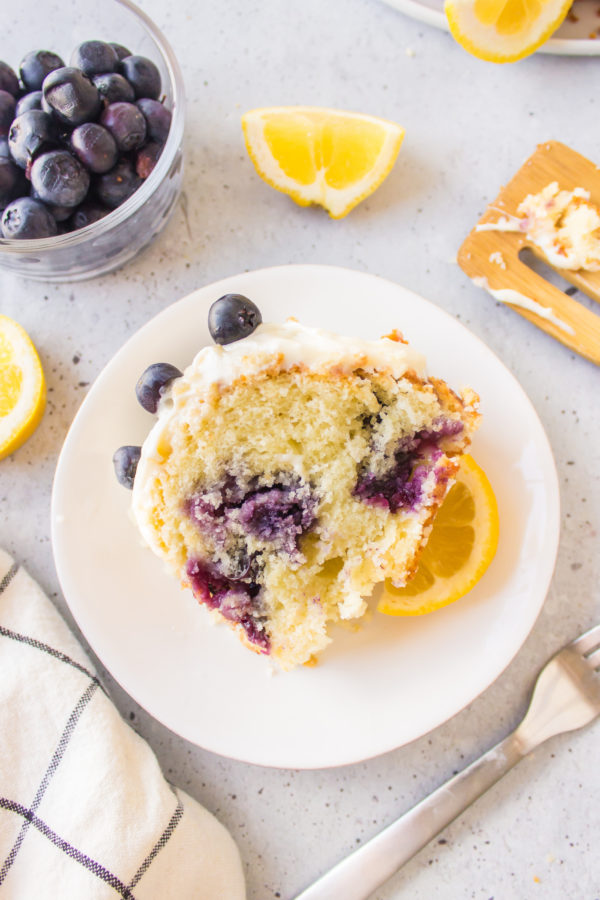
x=91, y=129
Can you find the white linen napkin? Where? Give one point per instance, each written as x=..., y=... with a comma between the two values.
x=84, y=809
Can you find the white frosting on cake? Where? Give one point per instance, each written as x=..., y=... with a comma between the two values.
x=292, y=344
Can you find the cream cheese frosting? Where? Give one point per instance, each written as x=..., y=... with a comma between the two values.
x=291, y=344
x=516, y=298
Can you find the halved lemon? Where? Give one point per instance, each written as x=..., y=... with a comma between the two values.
x=323, y=156
x=504, y=30
x=22, y=387
x=460, y=548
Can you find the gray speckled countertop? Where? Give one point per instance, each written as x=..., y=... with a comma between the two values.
x=469, y=127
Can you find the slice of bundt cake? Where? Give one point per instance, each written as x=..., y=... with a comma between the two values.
x=292, y=470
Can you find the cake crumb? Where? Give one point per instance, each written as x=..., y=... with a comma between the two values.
x=497, y=258
x=410, y=51
x=396, y=336
x=563, y=224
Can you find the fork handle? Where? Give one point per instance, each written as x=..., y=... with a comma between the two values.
x=361, y=873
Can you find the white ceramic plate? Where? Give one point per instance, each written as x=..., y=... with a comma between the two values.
x=374, y=689
x=572, y=38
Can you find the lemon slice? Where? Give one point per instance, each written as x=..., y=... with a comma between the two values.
x=22, y=387
x=461, y=546
x=504, y=30
x=323, y=156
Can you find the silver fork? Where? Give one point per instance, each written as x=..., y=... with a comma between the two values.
x=566, y=696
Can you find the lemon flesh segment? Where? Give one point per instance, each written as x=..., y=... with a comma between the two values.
x=22, y=387
x=315, y=155
x=291, y=142
x=504, y=30
x=460, y=548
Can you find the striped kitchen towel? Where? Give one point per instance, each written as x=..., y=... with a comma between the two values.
x=85, y=812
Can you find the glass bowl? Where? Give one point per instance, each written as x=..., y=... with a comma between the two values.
x=112, y=241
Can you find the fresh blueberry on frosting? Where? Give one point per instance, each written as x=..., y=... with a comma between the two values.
x=152, y=383
x=125, y=462
x=232, y=317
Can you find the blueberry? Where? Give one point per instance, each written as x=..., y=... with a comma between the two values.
x=94, y=58
x=147, y=157
x=27, y=218
x=152, y=382
x=72, y=96
x=60, y=213
x=127, y=125
x=59, y=179
x=36, y=65
x=158, y=119
x=281, y=514
x=120, y=50
x=8, y=80
x=232, y=317
x=114, y=88
x=87, y=214
x=95, y=147
x=7, y=111
x=125, y=462
x=31, y=133
x=142, y=74
x=33, y=100
x=235, y=600
x=118, y=185
x=5, y=149
x=13, y=183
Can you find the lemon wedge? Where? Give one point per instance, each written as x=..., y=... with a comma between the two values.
x=324, y=156
x=22, y=387
x=460, y=548
x=504, y=30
